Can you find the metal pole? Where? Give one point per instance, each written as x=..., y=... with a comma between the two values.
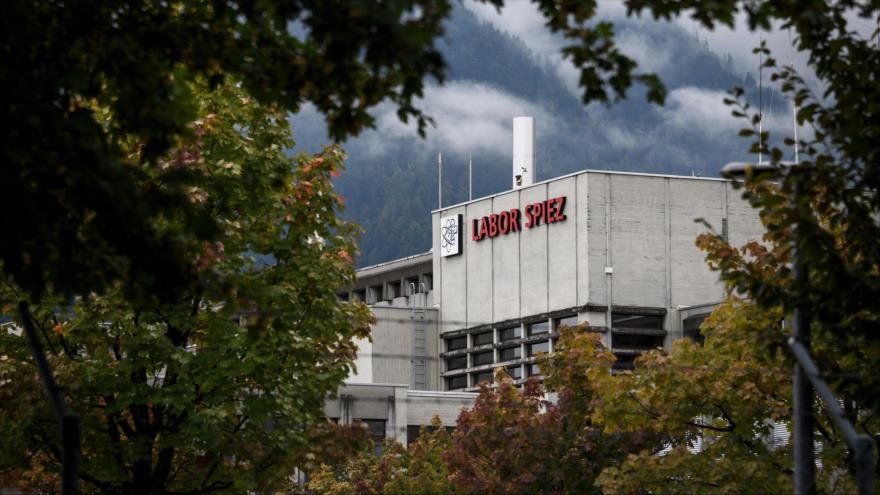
x=68, y=423
x=439, y=180
x=802, y=402
x=861, y=445
x=470, y=177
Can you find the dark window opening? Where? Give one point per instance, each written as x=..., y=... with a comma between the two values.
x=636, y=342
x=624, y=363
x=485, y=376
x=481, y=358
x=456, y=343
x=456, y=382
x=375, y=294
x=535, y=348
x=412, y=285
x=376, y=429
x=623, y=320
x=456, y=363
x=510, y=353
x=538, y=328
x=392, y=290
x=567, y=321
x=483, y=338
x=691, y=328
x=509, y=333
x=534, y=369
x=515, y=372
x=413, y=432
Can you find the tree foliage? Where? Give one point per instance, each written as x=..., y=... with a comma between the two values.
x=826, y=208
x=415, y=470
x=83, y=220
x=511, y=441
x=203, y=393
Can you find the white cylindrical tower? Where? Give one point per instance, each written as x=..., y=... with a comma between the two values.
x=523, y=151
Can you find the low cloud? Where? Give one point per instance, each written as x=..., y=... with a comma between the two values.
x=703, y=111
x=469, y=116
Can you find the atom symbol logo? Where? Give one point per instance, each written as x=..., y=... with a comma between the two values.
x=449, y=234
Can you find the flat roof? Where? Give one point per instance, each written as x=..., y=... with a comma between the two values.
x=587, y=171
x=405, y=262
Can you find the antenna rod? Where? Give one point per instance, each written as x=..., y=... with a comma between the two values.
x=794, y=105
x=760, y=100
x=439, y=180
x=470, y=177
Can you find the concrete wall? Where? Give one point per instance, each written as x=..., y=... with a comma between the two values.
x=396, y=405
x=392, y=347
x=640, y=226
x=513, y=275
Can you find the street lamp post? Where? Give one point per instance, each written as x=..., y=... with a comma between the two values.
x=806, y=374
x=802, y=400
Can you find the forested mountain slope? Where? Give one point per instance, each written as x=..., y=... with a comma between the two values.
x=390, y=185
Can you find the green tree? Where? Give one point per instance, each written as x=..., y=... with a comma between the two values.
x=713, y=407
x=203, y=393
x=82, y=219
x=511, y=441
x=415, y=470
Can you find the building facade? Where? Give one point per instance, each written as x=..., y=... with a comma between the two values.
x=505, y=272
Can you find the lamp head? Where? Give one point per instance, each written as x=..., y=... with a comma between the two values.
x=739, y=170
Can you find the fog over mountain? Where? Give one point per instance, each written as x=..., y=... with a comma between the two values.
x=390, y=185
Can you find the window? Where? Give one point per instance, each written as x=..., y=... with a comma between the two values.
x=413, y=432
x=534, y=369
x=691, y=328
x=510, y=353
x=510, y=333
x=456, y=382
x=374, y=294
x=636, y=342
x=456, y=363
x=411, y=285
x=538, y=347
x=624, y=363
x=538, y=328
x=515, y=372
x=481, y=358
x=485, y=376
x=376, y=429
x=456, y=343
x=566, y=321
x=359, y=295
x=342, y=296
x=483, y=338
x=623, y=320
x=392, y=290
x=428, y=280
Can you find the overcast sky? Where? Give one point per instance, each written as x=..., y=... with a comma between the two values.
x=471, y=116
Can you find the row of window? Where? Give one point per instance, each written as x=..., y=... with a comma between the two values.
x=387, y=291
x=506, y=334
x=488, y=376
x=504, y=354
x=509, y=347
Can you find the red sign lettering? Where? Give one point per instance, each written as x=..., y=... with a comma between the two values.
x=494, y=225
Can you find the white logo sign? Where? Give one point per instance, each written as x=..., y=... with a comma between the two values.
x=450, y=235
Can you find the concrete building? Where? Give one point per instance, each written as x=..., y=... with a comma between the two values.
x=506, y=271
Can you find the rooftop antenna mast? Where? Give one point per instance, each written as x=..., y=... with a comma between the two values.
x=794, y=105
x=439, y=180
x=760, y=99
x=470, y=177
